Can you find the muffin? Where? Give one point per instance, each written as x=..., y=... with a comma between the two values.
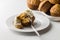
x=24, y=19
x=44, y=6
x=27, y=17
x=54, y=1
x=33, y=4
x=55, y=10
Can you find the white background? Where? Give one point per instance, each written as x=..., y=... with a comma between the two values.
x=9, y=8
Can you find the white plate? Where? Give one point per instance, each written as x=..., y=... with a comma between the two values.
x=41, y=23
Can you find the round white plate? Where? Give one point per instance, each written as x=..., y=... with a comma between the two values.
x=41, y=22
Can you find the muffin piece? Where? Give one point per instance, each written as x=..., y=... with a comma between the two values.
x=22, y=16
x=26, y=18
x=55, y=10
x=17, y=23
x=33, y=4
x=54, y=1
x=44, y=6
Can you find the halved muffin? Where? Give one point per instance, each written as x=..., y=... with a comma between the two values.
x=26, y=18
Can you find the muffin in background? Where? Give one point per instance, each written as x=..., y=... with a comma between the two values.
x=33, y=4
x=54, y=1
x=44, y=6
x=55, y=10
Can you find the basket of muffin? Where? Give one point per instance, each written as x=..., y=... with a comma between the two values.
x=49, y=8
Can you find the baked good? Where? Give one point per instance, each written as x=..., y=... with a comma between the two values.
x=55, y=10
x=27, y=17
x=54, y=1
x=33, y=4
x=44, y=6
x=24, y=19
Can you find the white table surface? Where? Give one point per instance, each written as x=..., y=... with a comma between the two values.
x=10, y=7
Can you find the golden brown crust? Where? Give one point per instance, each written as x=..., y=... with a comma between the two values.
x=42, y=0
x=44, y=6
x=33, y=4
x=22, y=16
x=33, y=7
x=54, y=1
x=55, y=10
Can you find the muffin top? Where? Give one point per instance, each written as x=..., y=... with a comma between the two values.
x=55, y=10
x=34, y=2
x=44, y=6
